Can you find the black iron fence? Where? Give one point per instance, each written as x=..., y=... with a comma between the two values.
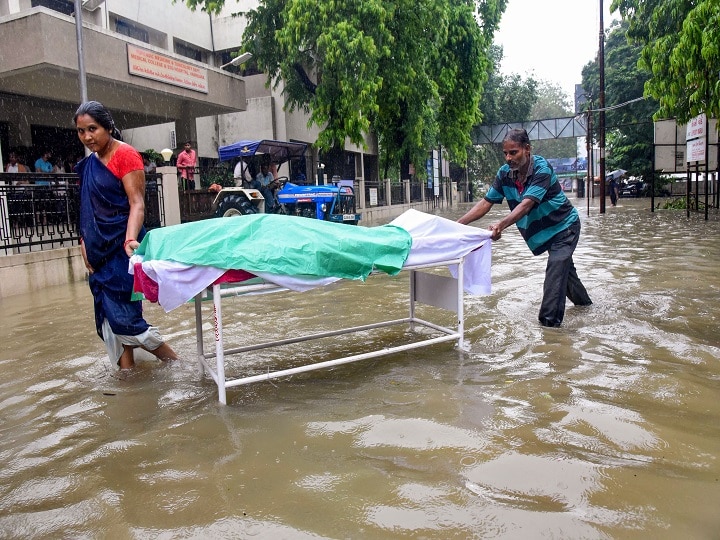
x=41, y=211
x=204, y=177
x=397, y=193
x=416, y=191
x=375, y=194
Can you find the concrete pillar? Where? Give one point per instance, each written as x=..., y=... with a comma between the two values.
x=360, y=192
x=388, y=191
x=171, y=195
x=406, y=190
x=360, y=179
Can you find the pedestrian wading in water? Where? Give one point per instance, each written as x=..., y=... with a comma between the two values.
x=545, y=217
x=112, y=212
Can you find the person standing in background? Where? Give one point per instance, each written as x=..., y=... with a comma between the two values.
x=186, y=163
x=613, y=191
x=43, y=164
x=59, y=166
x=148, y=165
x=14, y=166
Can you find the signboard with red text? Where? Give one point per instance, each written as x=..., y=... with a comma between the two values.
x=677, y=145
x=152, y=65
x=695, y=136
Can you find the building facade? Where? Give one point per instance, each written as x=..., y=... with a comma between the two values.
x=158, y=67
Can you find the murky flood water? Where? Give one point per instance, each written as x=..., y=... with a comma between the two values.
x=606, y=428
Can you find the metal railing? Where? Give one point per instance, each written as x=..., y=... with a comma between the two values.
x=204, y=177
x=397, y=193
x=41, y=211
x=416, y=191
x=379, y=190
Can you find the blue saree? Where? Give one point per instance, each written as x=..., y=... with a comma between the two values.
x=104, y=211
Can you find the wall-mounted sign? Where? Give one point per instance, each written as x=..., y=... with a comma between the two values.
x=152, y=65
x=677, y=145
x=695, y=136
x=695, y=150
x=373, y=196
x=695, y=127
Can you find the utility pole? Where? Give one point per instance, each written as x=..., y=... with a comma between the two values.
x=590, y=164
x=601, y=121
x=80, y=51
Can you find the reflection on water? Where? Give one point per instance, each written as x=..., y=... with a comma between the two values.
x=606, y=428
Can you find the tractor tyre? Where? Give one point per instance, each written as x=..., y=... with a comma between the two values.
x=235, y=205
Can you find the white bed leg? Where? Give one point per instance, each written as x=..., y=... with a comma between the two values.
x=199, y=333
x=412, y=298
x=219, y=344
x=461, y=305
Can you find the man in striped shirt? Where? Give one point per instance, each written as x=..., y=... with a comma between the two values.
x=545, y=217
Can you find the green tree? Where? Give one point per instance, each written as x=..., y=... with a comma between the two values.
x=681, y=50
x=629, y=128
x=505, y=99
x=412, y=71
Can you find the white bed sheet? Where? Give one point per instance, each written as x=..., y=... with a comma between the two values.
x=434, y=239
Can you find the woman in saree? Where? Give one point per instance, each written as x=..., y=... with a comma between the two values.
x=112, y=211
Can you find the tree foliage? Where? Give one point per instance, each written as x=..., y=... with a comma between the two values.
x=553, y=102
x=506, y=98
x=681, y=50
x=628, y=128
x=412, y=71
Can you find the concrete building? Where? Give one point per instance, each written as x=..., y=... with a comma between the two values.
x=157, y=66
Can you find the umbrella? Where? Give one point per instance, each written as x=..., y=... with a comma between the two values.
x=617, y=173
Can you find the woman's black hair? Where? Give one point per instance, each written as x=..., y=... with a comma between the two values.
x=101, y=115
x=519, y=136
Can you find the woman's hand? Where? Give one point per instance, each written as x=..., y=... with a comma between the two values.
x=130, y=247
x=89, y=267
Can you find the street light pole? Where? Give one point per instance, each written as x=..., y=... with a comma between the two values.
x=590, y=164
x=81, y=55
x=601, y=121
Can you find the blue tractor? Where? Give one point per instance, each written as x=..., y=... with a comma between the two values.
x=335, y=203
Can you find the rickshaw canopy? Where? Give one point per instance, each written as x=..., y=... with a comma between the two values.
x=279, y=151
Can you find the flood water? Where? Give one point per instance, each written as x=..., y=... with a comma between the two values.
x=608, y=427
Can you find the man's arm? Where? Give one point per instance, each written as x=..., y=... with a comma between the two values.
x=517, y=214
x=476, y=212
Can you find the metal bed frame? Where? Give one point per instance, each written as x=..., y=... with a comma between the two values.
x=437, y=290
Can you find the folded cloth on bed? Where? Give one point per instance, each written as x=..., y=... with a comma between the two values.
x=281, y=245
x=437, y=239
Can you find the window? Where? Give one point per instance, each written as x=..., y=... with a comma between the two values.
x=188, y=51
x=130, y=30
x=61, y=6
